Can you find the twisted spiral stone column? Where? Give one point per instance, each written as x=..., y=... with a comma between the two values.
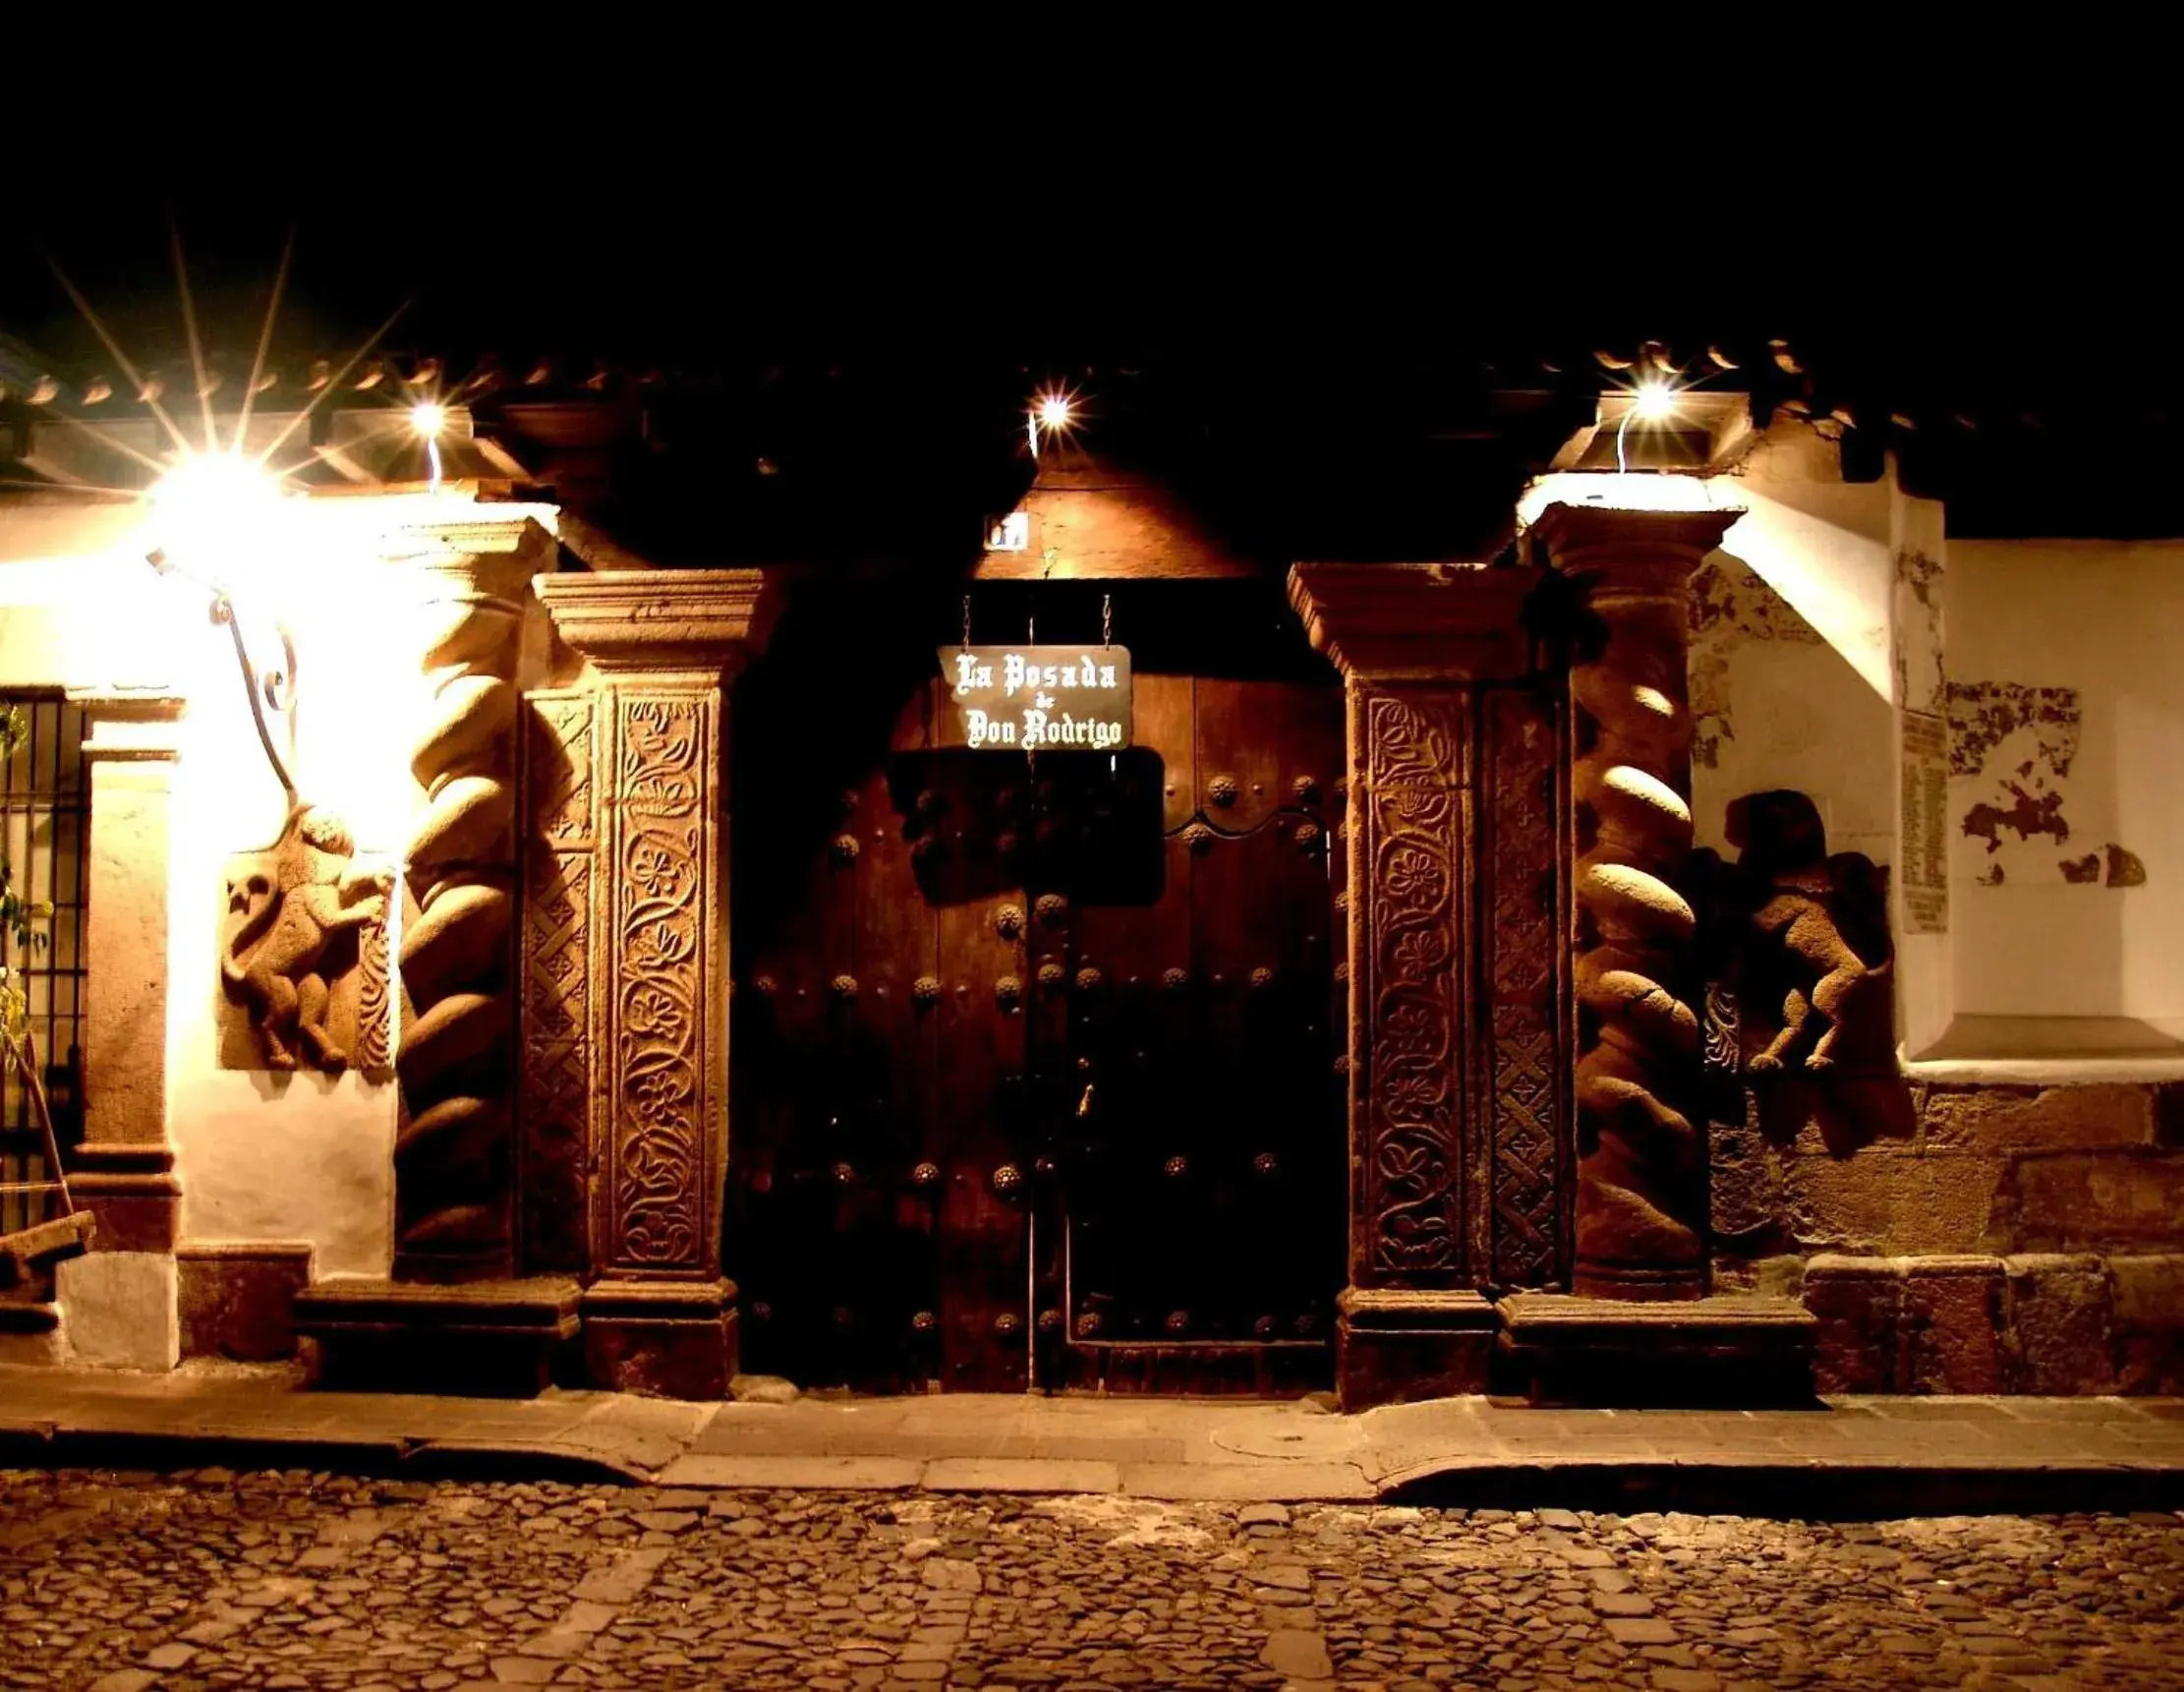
x=453, y=1154
x=1642, y=1196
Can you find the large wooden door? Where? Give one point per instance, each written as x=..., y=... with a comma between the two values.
x=1034, y=1060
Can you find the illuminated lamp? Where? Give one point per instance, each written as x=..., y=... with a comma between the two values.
x=213, y=505
x=428, y=418
x=1052, y=412
x=214, y=509
x=1651, y=401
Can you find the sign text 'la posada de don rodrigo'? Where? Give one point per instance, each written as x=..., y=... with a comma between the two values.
x=1040, y=698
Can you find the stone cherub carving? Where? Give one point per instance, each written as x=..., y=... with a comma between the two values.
x=295, y=902
x=1816, y=964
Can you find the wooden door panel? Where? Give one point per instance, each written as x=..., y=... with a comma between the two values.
x=1212, y=1215
x=1161, y=712
x=1238, y=726
x=1020, y=1039
x=780, y=1248
x=883, y=1270
x=979, y=1036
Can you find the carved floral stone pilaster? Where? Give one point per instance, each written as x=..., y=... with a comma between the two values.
x=665, y=1056
x=635, y=815
x=1642, y=1196
x=1416, y=643
x=1411, y=741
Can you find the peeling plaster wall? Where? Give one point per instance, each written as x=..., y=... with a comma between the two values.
x=2065, y=665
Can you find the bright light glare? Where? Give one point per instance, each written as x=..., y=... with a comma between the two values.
x=1653, y=401
x=428, y=418
x=212, y=507
x=1055, y=411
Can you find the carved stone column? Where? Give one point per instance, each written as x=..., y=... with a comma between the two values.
x=628, y=847
x=1641, y=1194
x=1414, y=641
x=454, y=1158
x=456, y=1316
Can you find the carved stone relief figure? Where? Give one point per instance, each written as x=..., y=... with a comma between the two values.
x=1815, y=963
x=1798, y=954
x=303, y=957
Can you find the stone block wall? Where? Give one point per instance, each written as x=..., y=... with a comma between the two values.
x=1989, y=1239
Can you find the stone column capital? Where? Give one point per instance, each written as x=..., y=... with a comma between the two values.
x=129, y=724
x=485, y=551
x=1644, y=547
x=1418, y=622
x=650, y=622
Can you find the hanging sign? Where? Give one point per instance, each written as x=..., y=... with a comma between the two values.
x=1040, y=698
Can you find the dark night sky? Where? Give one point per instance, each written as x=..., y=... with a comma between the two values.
x=688, y=253
x=1954, y=259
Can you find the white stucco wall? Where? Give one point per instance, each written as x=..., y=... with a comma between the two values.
x=263, y=1155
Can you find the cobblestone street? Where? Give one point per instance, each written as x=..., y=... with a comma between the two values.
x=125, y=1583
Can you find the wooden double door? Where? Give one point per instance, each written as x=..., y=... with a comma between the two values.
x=1034, y=1061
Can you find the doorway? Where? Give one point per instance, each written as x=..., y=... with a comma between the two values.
x=1034, y=1061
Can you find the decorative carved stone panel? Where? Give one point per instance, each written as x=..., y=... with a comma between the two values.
x=662, y=1058
x=558, y=766
x=1523, y=1139
x=304, y=953
x=1408, y=872
x=557, y=1046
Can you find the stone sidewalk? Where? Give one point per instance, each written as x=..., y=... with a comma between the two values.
x=1851, y=1457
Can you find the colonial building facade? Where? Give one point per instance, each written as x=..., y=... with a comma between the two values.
x=1719, y=941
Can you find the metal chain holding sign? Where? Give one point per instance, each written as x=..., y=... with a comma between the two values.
x=1106, y=644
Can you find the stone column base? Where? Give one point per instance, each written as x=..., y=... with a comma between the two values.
x=118, y=1309
x=1732, y=1350
x=494, y=1338
x=237, y=1297
x=667, y=1339
x=131, y=1190
x=1394, y=1347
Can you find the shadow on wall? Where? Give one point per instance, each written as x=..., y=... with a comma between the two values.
x=1800, y=1004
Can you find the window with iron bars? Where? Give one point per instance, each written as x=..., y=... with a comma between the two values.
x=44, y=823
